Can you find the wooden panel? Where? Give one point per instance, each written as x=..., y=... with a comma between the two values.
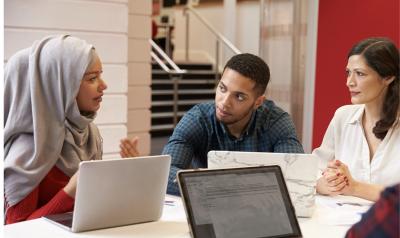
x=144, y=142
x=67, y=14
x=142, y=7
x=112, y=134
x=139, y=120
x=139, y=74
x=139, y=97
x=116, y=77
x=16, y=39
x=139, y=26
x=113, y=110
x=139, y=50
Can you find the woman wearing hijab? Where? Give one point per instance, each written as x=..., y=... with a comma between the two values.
x=52, y=91
x=361, y=146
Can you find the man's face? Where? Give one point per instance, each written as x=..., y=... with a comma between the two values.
x=236, y=98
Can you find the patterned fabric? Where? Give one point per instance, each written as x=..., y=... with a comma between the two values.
x=382, y=219
x=270, y=130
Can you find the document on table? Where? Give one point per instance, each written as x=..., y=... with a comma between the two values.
x=173, y=209
x=342, y=210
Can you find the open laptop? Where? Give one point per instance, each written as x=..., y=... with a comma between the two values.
x=238, y=202
x=299, y=170
x=117, y=192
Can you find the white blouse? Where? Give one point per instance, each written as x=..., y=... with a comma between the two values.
x=345, y=140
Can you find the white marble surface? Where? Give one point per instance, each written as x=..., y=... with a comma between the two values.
x=300, y=172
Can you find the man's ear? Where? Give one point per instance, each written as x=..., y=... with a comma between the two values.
x=388, y=80
x=259, y=101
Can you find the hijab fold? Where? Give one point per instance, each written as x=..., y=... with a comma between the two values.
x=43, y=126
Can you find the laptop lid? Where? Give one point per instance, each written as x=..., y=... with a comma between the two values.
x=119, y=192
x=238, y=202
x=299, y=170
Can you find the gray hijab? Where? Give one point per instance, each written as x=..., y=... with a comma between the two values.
x=43, y=126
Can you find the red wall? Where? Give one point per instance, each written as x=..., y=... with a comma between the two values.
x=342, y=23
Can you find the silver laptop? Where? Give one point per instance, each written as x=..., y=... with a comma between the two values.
x=300, y=172
x=238, y=202
x=117, y=192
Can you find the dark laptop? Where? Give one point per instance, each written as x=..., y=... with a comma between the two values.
x=238, y=202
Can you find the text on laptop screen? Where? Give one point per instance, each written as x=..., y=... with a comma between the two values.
x=249, y=202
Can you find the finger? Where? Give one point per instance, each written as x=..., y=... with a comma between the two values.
x=337, y=181
x=338, y=188
x=332, y=176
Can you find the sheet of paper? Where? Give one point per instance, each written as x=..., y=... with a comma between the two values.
x=342, y=210
x=173, y=209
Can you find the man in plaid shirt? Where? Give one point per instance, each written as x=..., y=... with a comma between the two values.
x=382, y=219
x=240, y=119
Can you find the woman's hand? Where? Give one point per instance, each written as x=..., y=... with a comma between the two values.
x=331, y=183
x=129, y=147
x=343, y=169
x=70, y=188
x=333, y=180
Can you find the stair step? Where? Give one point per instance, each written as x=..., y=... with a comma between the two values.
x=189, y=66
x=184, y=81
x=183, y=91
x=162, y=127
x=180, y=102
x=188, y=76
x=155, y=115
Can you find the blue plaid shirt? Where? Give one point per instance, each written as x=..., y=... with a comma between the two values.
x=270, y=130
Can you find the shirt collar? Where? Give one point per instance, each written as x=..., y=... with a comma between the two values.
x=247, y=131
x=357, y=117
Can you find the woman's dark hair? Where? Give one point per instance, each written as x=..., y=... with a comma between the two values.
x=383, y=56
x=253, y=67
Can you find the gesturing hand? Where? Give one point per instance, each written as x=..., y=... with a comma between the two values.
x=129, y=147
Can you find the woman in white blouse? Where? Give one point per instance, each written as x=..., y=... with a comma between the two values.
x=360, y=152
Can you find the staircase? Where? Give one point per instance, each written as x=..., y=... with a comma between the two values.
x=195, y=86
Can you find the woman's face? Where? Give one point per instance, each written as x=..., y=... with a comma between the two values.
x=92, y=87
x=366, y=86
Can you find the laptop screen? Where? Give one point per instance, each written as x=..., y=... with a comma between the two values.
x=241, y=202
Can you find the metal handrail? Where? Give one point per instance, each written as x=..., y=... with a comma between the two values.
x=175, y=75
x=219, y=36
x=175, y=67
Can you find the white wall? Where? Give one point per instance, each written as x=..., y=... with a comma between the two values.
x=202, y=42
x=104, y=23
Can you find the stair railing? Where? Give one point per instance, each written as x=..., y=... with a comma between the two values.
x=175, y=74
x=220, y=38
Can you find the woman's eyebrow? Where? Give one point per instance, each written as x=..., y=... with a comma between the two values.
x=94, y=72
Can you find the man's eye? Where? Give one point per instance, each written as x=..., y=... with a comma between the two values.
x=240, y=97
x=221, y=88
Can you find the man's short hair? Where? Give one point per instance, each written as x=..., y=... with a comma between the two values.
x=253, y=67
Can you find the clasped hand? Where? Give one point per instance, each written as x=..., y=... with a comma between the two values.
x=336, y=179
